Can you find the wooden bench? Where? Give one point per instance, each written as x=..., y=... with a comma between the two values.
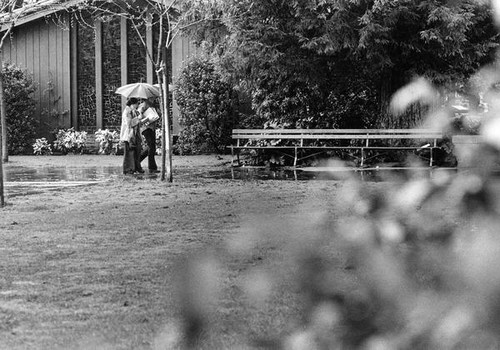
x=334, y=139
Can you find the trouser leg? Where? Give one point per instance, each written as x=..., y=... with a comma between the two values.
x=128, y=158
x=149, y=135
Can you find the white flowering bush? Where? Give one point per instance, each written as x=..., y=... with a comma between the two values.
x=158, y=140
x=42, y=147
x=108, y=141
x=70, y=140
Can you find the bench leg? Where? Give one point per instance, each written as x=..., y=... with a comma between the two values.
x=295, y=159
x=237, y=157
x=362, y=157
x=431, y=158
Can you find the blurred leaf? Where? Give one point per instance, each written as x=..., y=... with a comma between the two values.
x=419, y=90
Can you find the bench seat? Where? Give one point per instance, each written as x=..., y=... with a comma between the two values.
x=359, y=139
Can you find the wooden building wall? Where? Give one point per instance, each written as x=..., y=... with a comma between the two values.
x=43, y=49
x=48, y=49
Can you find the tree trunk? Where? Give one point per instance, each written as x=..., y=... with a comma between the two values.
x=2, y=139
x=389, y=84
x=3, y=121
x=166, y=144
x=384, y=98
x=2, y=198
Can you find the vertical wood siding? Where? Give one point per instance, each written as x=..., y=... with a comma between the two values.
x=43, y=49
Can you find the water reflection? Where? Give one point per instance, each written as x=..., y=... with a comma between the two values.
x=23, y=174
x=93, y=173
x=377, y=174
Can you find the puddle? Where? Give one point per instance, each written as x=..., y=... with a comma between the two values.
x=21, y=181
x=50, y=176
x=377, y=174
x=16, y=189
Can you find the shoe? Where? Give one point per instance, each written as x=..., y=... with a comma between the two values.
x=140, y=171
x=154, y=171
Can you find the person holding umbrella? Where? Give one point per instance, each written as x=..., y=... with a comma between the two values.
x=132, y=119
x=148, y=130
x=130, y=137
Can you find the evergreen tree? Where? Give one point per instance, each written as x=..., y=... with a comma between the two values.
x=304, y=51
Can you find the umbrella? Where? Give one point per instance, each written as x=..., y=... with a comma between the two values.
x=138, y=90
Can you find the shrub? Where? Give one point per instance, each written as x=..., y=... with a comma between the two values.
x=108, y=141
x=293, y=103
x=70, y=141
x=158, y=140
x=207, y=109
x=20, y=108
x=42, y=147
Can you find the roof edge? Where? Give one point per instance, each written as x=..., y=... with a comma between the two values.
x=49, y=9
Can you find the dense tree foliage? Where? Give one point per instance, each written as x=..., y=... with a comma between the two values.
x=20, y=107
x=207, y=109
x=297, y=56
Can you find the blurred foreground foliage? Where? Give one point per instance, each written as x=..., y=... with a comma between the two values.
x=408, y=265
x=421, y=255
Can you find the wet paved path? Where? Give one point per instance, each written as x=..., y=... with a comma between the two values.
x=31, y=174
x=20, y=180
x=14, y=189
x=54, y=173
x=34, y=174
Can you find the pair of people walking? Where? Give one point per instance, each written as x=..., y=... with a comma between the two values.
x=138, y=119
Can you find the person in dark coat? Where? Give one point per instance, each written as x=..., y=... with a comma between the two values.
x=148, y=130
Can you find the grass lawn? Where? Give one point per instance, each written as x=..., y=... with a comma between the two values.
x=99, y=267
